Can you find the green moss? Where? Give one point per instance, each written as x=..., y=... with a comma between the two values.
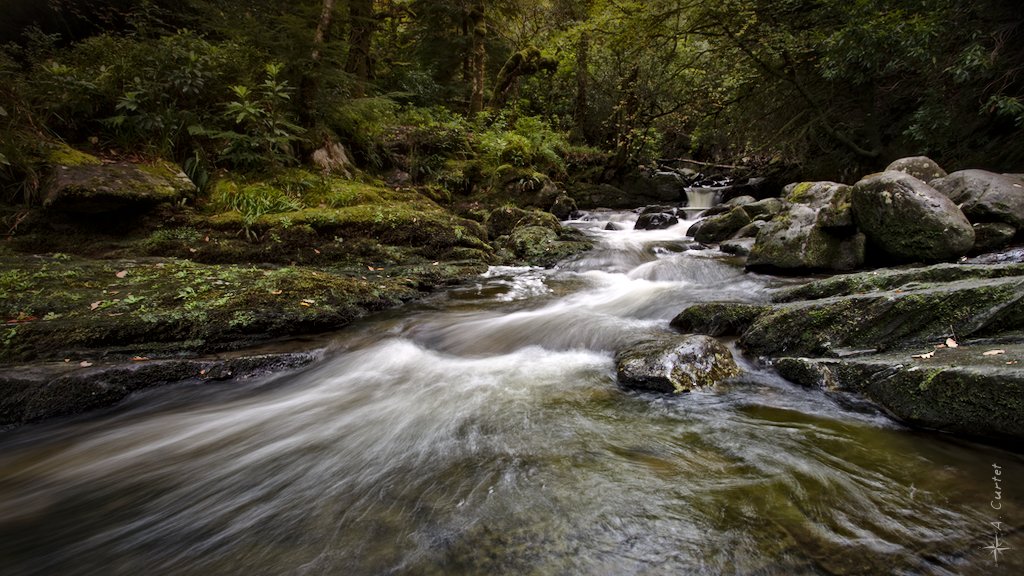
x=64, y=155
x=799, y=193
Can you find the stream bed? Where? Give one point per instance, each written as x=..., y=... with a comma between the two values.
x=482, y=432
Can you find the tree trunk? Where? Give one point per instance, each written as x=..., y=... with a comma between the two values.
x=478, y=67
x=323, y=28
x=360, y=38
x=309, y=85
x=581, y=111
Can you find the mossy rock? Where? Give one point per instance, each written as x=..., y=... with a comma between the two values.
x=87, y=188
x=64, y=307
x=504, y=220
x=910, y=315
x=540, y=246
x=959, y=390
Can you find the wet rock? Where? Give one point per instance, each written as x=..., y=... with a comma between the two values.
x=563, y=207
x=737, y=246
x=718, y=318
x=750, y=230
x=921, y=167
x=604, y=196
x=721, y=227
x=959, y=390
x=989, y=236
x=655, y=221
x=541, y=246
x=986, y=196
x=809, y=232
x=29, y=394
x=908, y=220
x=674, y=364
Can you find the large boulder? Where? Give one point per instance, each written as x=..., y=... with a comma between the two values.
x=990, y=236
x=921, y=167
x=813, y=231
x=986, y=196
x=908, y=220
x=674, y=364
x=794, y=242
x=91, y=187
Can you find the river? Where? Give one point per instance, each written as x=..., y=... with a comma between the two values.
x=482, y=432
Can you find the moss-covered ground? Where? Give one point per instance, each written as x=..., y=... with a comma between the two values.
x=251, y=260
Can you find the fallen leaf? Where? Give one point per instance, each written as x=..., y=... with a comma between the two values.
x=993, y=352
x=950, y=343
x=207, y=239
x=85, y=363
x=193, y=250
x=121, y=274
x=202, y=372
x=924, y=356
x=370, y=268
x=95, y=305
x=67, y=360
x=277, y=292
x=306, y=304
x=315, y=250
x=436, y=264
x=139, y=359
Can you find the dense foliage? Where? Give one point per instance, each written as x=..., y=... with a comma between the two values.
x=824, y=86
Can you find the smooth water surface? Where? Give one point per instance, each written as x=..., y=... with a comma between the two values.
x=482, y=432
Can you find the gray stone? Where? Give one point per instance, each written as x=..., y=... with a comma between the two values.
x=990, y=236
x=921, y=167
x=986, y=196
x=764, y=209
x=793, y=241
x=909, y=220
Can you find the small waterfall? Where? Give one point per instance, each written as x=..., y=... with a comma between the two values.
x=702, y=198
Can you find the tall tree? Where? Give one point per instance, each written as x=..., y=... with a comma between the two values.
x=478, y=55
x=360, y=40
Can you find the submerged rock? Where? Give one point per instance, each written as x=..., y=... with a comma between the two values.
x=909, y=220
x=34, y=393
x=675, y=364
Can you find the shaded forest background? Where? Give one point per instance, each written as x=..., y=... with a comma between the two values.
x=811, y=88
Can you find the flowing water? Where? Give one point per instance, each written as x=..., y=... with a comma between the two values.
x=482, y=432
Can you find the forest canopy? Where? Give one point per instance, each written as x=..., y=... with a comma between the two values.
x=818, y=87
